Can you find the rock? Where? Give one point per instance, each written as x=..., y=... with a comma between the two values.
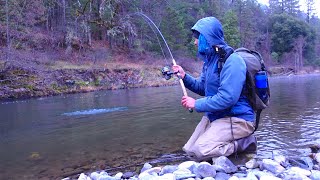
x=146, y=166
x=208, y=178
x=222, y=176
x=84, y=177
x=186, y=165
x=315, y=175
x=169, y=176
x=292, y=175
x=315, y=148
x=106, y=177
x=234, y=178
x=277, y=157
x=240, y=175
x=272, y=166
x=205, y=169
x=269, y=178
x=251, y=176
x=260, y=174
x=168, y=169
x=128, y=175
x=94, y=176
x=223, y=163
x=253, y=163
x=148, y=177
x=299, y=163
x=308, y=162
x=183, y=174
x=153, y=170
x=143, y=174
x=103, y=173
x=300, y=171
x=118, y=176
x=242, y=168
x=316, y=167
x=316, y=157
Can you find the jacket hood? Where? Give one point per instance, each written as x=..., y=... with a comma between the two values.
x=211, y=28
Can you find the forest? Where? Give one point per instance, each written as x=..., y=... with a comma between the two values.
x=281, y=31
x=43, y=33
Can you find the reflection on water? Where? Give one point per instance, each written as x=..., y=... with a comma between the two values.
x=290, y=124
x=38, y=139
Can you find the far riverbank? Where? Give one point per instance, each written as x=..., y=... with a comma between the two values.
x=21, y=80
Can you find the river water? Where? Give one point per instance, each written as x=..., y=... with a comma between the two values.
x=48, y=138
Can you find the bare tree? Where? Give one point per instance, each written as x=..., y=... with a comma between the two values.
x=88, y=25
x=310, y=9
x=7, y=23
x=298, y=52
x=64, y=14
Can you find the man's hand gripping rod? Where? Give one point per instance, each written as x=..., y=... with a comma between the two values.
x=182, y=85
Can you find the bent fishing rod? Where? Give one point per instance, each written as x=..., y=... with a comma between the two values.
x=166, y=71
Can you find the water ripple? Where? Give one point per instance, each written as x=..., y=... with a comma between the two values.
x=94, y=111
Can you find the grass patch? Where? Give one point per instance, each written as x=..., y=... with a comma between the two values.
x=68, y=65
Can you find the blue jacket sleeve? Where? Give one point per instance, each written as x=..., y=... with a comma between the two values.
x=232, y=79
x=195, y=85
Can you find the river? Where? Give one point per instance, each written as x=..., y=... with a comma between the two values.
x=48, y=138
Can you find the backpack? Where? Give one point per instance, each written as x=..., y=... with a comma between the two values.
x=257, y=85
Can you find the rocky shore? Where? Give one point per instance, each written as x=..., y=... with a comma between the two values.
x=221, y=168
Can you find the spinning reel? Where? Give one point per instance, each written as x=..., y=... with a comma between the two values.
x=167, y=74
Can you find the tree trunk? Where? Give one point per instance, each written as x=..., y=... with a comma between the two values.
x=8, y=36
x=47, y=21
x=64, y=15
x=88, y=24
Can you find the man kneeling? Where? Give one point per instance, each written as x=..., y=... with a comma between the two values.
x=229, y=118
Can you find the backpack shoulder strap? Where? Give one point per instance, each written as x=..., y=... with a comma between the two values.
x=223, y=56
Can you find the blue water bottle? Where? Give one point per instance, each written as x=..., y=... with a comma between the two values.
x=261, y=78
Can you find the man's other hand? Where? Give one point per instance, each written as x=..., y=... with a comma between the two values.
x=188, y=102
x=178, y=69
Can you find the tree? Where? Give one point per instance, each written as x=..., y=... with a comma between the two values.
x=310, y=9
x=292, y=7
x=231, y=31
x=284, y=6
x=291, y=35
x=276, y=6
x=7, y=24
x=246, y=12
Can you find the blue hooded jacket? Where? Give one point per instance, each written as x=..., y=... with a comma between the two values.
x=223, y=93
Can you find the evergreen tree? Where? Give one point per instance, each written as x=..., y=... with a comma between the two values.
x=287, y=31
x=310, y=9
x=292, y=7
x=246, y=13
x=231, y=31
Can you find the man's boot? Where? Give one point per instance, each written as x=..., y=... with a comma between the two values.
x=247, y=144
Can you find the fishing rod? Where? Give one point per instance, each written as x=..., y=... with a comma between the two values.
x=166, y=71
